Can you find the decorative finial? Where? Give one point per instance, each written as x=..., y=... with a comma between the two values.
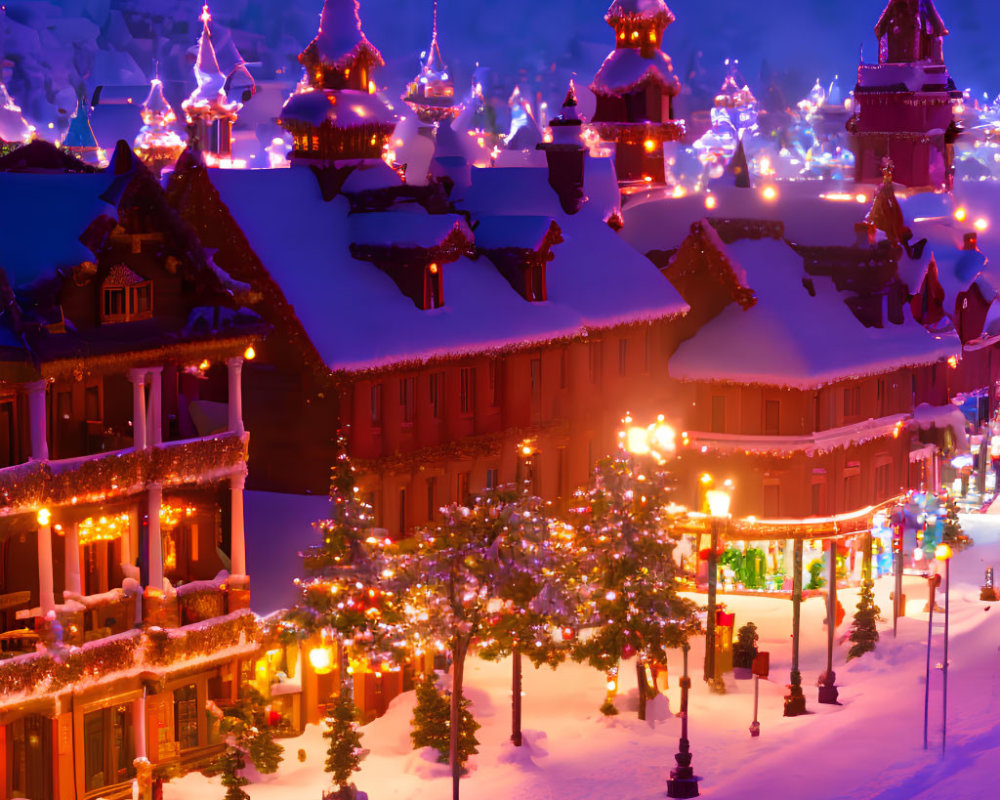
x=205, y=16
x=570, y=100
x=887, y=167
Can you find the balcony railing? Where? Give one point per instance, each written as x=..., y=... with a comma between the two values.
x=154, y=650
x=87, y=479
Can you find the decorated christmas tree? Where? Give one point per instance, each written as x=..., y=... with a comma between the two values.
x=626, y=570
x=864, y=634
x=460, y=570
x=952, y=526
x=344, y=755
x=534, y=602
x=343, y=592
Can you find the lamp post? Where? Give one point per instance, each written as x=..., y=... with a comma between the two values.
x=718, y=509
x=682, y=781
x=932, y=583
x=795, y=701
x=943, y=553
x=828, y=682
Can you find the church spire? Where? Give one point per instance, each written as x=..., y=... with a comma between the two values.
x=210, y=115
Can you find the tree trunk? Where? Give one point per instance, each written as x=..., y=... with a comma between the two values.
x=515, y=699
x=459, y=650
x=640, y=682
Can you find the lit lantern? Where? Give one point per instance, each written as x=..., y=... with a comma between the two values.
x=250, y=354
x=321, y=659
x=44, y=516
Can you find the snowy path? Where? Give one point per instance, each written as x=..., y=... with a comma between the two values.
x=868, y=748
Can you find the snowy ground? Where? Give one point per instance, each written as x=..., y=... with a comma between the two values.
x=869, y=747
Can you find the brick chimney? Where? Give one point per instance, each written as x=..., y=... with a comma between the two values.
x=970, y=241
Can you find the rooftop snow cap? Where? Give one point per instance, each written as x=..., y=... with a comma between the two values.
x=340, y=39
x=639, y=9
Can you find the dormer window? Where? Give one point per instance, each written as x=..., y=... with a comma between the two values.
x=125, y=296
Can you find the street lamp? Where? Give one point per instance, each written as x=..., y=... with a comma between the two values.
x=943, y=553
x=828, y=682
x=718, y=509
x=795, y=701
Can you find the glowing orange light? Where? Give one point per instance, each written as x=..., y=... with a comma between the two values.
x=710, y=202
x=981, y=224
x=960, y=214
x=250, y=354
x=649, y=145
x=433, y=269
x=953, y=361
x=769, y=193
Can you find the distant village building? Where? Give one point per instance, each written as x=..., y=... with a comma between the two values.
x=431, y=94
x=905, y=102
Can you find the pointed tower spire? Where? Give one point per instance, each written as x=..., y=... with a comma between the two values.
x=210, y=115
x=14, y=130
x=80, y=139
x=157, y=144
x=431, y=94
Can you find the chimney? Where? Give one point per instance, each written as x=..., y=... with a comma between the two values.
x=565, y=155
x=970, y=241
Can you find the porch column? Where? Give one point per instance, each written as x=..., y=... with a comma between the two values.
x=37, y=415
x=138, y=379
x=238, y=553
x=235, y=367
x=155, y=541
x=139, y=725
x=73, y=581
x=46, y=594
x=126, y=540
x=154, y=414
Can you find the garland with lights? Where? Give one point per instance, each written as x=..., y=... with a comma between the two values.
x=29, y=486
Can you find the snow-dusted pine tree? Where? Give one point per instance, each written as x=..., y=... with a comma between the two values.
x=864, y=634
x=342, y=592
x=458, y=573
x=533, y=602
x=344, y=754
x=625, y=540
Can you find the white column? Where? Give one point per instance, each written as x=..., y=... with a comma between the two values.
x=126, y=540
x=139, y=725
x=155, y=541
x=154, y=414
x=46, y=594
x=138, y=379
x=238, y=551
x=73, y=581
x=235, y=367
x=37, y=415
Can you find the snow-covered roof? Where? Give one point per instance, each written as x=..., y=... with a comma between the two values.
x=356, y=316
x=344, y=108
x=789, y=338
x=642, y=9
x=526, y=233
x=369, y=174
x=625, y=69
x=41, y=231
x=403, y=229
x=340, y=39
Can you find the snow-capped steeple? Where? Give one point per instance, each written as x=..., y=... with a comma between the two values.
x=334, y=113
x=431, y=94
x=211, y=81
x=157, y=144
x=340, y=57
x=910, y=30
x=13, y=127
x=524, y=132
x=210, y=115
x=80, y=139
x=635, y=87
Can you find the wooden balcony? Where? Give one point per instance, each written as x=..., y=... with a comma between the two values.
x=87, y=479
x=154, y=651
